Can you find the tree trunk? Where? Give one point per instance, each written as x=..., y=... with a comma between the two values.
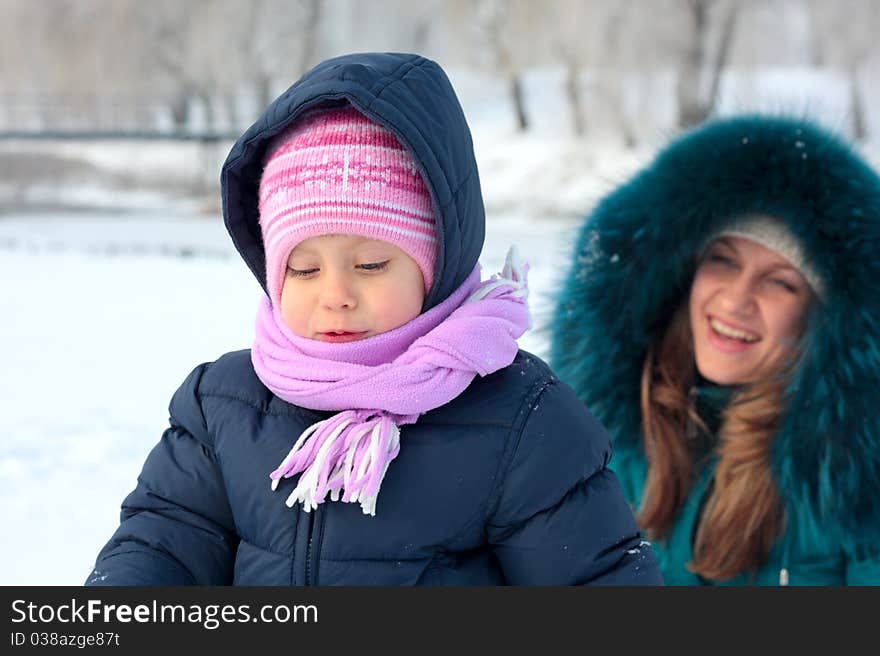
x=860, y=131
x=180, y=111
x=519, y=107
x=573, y=93
x=690, y=109
x=263, y=87
x=309, y=32
x=727, y=31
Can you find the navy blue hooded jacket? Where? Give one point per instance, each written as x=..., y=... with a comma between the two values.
x=506, y=484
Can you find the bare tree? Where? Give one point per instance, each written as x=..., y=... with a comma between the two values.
x=276, y=39
x=611, y=76
x=573, y=72
x=613, y=53
x=212, y=50
x=844, y=36
x=572, y=27
x=494, y=22
x=425, y=20
x=44, y=54
x=583, y=30
x=697, y=61
x=169, y=34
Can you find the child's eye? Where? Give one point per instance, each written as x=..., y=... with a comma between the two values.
x=300, y=273
x=373, y=266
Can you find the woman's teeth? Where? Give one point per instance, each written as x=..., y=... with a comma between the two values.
x=732, y=333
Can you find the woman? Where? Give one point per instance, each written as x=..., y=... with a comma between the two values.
x=722, y=319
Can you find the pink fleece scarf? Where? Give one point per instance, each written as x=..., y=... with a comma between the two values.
x=384, y=382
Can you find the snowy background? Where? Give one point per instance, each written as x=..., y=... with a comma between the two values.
x=106, y=310
x=104, y=316
x=116, y=273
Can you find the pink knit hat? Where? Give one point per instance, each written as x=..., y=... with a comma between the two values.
x=334, y=171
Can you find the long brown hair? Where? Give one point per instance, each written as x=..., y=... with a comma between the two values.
x=744, y=516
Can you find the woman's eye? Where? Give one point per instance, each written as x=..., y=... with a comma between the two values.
x=784, y=284
x=722, y=259
x=373, y=266
x=300, y=273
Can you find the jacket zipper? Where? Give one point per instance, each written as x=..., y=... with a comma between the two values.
x=310, y=525
x=784, y=570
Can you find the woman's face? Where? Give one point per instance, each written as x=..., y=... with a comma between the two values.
x=747, y=306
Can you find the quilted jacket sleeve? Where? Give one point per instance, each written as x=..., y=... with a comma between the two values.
x=631, y=469
x=176, y=526
x=561, y=517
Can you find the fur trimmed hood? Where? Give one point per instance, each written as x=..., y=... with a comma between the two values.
x=635, y=258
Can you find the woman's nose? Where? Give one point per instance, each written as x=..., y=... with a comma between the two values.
x=738, y=295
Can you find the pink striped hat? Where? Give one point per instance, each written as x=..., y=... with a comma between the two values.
x=334, y=171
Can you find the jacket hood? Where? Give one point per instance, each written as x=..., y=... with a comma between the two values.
x=635, y=258
x=412, y=97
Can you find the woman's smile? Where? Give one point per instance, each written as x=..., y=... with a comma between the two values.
x=728, y=338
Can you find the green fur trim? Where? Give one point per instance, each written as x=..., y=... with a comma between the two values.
x=636, y=254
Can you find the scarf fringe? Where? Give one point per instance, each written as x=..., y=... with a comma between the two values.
x=369, y=442
x=347, y=455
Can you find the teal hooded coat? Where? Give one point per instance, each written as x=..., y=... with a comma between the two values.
x=635, y=258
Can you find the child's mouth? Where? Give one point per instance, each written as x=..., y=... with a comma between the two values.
x=341, y=336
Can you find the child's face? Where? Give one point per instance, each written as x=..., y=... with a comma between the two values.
x=747, y=308
x=342, y=288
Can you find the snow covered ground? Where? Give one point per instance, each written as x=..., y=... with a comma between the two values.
x=103, y=317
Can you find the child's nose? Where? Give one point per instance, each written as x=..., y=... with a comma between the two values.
x=338, y=293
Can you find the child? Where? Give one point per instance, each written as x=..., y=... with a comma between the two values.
x=740, y=385
x=426, y=449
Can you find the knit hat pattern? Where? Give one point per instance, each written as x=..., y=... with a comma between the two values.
x=772, y=234
x=334, y=171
